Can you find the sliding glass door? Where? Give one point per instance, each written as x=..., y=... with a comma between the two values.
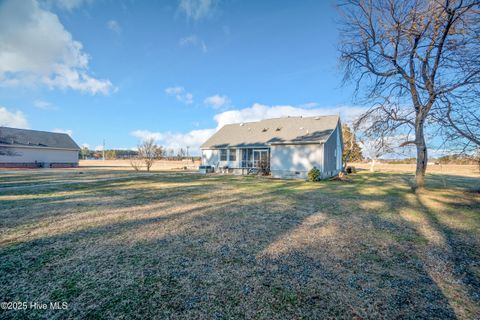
x=260, y=158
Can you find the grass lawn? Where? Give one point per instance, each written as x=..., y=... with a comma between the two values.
x=182, y=245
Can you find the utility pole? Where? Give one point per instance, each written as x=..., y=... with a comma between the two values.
x=187, y=151
x=103, y=151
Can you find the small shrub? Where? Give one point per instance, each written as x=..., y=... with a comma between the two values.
x=314, y=174
x=264, y=168
x=350, y=170
x=136, y=163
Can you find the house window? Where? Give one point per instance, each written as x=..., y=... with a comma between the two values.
x=223, y=155
x=233, y=155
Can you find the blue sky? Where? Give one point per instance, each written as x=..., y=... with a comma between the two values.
x=173, y=70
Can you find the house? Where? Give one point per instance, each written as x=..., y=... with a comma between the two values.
x=288, y=146
x=20, y=148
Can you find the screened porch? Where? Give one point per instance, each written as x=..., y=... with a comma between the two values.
x=254, y=158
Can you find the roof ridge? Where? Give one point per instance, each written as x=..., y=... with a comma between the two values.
x=50, y=132
x=285, y=117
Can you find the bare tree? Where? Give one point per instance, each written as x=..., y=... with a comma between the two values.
x=477, y=157
x=351, y=149
x=136, y=163
x=85, y=152
x=375, y=147
x=405, y=56
x=461, y=122
x=110, y=154
x=162, y=152
x=181, y=153
x=148, y=151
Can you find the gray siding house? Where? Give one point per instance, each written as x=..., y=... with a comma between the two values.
x=290, y=146
x=20, y=148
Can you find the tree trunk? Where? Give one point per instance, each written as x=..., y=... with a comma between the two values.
x=421, y=155
x=372, y=165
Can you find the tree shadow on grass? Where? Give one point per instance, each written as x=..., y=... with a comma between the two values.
x=272, y=250
x=416, y=293
x=459, y=252
x=53, y=202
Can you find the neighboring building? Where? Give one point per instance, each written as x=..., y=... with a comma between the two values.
x=290, y=146
x=20, y=148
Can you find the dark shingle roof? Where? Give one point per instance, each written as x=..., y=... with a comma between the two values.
x=289, y=130
x=33, y=138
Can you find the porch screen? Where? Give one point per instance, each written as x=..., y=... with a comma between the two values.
x=223, y=155
x=233, y=155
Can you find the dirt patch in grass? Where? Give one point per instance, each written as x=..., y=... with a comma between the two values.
x=172, y=245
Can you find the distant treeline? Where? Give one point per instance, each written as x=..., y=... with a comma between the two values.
x=112, y=154
x=451, y=159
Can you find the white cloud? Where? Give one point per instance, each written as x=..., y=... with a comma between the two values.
x=99, y=148
x=197, y=9
x=309, y=105
x=86, y=145
x=12, y=119
x=193, y=41
x=186, y=98
x=217, y=101
x=68, y=4
x=146, y=135
x=36, y=49
x=195, y=138
x=42, y=104
x=174, y=140
x=174, y=90
x=180, y=94
x=67, y=131
x=436, y=152
x=259, y=111
x=114, y=26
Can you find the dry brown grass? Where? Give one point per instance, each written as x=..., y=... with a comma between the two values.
x=159, y=165
x=182, y=245
x=467, y=170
